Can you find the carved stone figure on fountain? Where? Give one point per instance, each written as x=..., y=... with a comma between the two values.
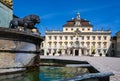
x=28, y=22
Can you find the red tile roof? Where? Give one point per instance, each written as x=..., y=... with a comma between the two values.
x=84, y=23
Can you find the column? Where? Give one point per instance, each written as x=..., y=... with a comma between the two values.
x=90, y=52
x=80, y=54
x=73, y=52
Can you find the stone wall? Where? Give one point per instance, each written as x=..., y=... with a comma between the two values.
x=11, y=59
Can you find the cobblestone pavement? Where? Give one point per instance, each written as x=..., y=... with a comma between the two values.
x=102, y=64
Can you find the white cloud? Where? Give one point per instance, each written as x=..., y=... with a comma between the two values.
x=91, y=9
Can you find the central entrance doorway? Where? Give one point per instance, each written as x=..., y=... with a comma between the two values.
x=76, y=52
x=82, y=51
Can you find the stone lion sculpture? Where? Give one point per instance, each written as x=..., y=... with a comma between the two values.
x=27, y=22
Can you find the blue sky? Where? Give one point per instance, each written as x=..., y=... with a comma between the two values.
x=54, y=13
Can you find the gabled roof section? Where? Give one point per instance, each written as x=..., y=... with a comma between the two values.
x=77, y=22
x=83, y=22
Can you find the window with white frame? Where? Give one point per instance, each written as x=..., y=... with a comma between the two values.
x=55, y=44
x=66, y=37
x=82, y=43
x=49, y=37
x=60, y=43
x=55, y=37
x=88, y=44
x=93, y=37
x=60, y=37
x=49, y=44
x=99, y=44
x=82, y=37
x=88, y=37
x=104, y=44
x=71, y=37
x=99, y=37
x=105, y=37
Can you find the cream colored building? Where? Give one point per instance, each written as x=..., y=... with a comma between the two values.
x=77, y=38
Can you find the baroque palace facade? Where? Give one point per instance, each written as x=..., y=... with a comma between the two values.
x=77, y=38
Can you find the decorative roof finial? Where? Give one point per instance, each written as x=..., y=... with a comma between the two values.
x=78, y=16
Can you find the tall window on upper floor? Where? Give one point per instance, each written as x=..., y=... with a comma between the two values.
x=49, y=37
x=99, y=37
x=60, y=37
x=93, y=37
x=88, y=37
x=49, y=44
x=105, y=37
x=104, y=44
x=71, y=37
x=60, y=44
x=82, y=37
x=71, y=43
x=66, y=37
x=66, y=29
x=66, y=43
x=99, y=44
x=82, y=43
x=55, y=37
x=88, y=44
x=55, y=44
x=93, y=44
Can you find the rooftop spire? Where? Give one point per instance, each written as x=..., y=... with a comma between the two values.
x=78, y=16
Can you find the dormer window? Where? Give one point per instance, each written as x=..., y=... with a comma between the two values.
x=88, y=29
x=71, y=29
x=66, y=29
x=82, y=29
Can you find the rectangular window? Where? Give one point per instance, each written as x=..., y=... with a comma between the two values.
x=99, y=37
x=49, y=50
x=49, y=44
x=88, y=44
x=50, y=37
x=99, y=44
x=82, y=43
x=71, y=37
x=66, y=37
x=105, y=37
x=60, y=44
x=55, y=37
x=88, y=38
x=82, y=37
x=55, y=44
x=71, y=43
x=105, y=44
x=60, y=37
x=93, y=37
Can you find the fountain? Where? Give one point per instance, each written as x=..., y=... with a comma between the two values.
x=19, y=40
